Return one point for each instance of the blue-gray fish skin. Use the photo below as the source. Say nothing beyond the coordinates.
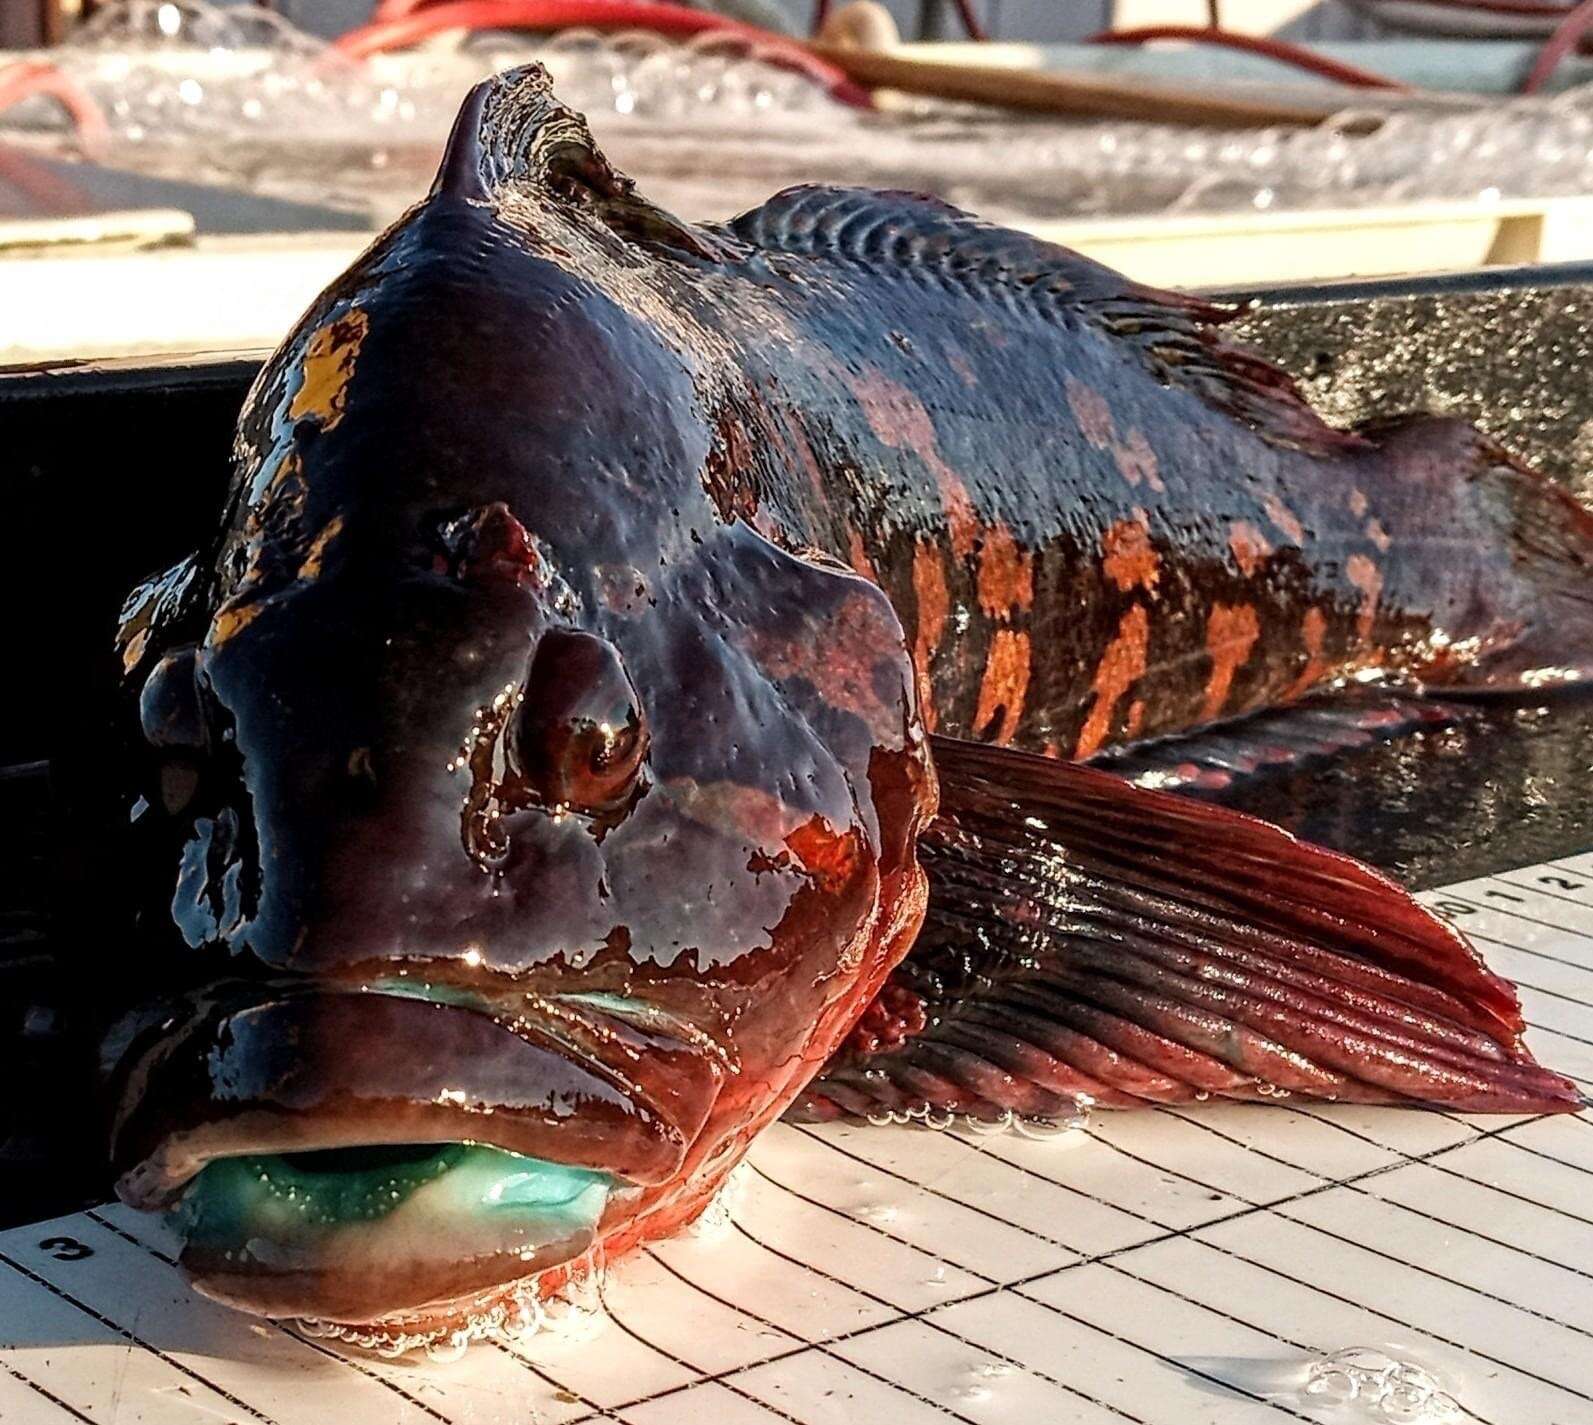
(561, 680)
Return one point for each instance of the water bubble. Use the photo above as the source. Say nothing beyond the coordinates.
(714, 1221)
(1371, 1385)
(567, 1301)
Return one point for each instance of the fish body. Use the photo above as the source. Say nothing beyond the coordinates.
(1100, 521)
(544, 743)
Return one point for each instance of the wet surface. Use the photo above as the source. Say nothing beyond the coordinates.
(91, 511)
(1500, 787)
(1513, 352)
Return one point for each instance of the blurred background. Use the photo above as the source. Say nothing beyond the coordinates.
(180, 175)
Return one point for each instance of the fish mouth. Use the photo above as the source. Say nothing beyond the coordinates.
(366, 1155)
(410, 1237)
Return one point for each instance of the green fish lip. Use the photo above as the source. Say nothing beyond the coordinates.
(362, 1234)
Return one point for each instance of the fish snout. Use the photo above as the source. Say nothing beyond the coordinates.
(355, 1153)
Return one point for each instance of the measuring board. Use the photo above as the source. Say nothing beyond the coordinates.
(1165, 1267)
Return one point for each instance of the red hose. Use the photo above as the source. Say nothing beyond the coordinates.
(1279, 50)
(664, 19)
(29, 77)
(1567, 36)
(970, 21)
(1531, 8)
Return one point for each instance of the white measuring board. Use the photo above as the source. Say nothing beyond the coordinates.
(1166, 1267)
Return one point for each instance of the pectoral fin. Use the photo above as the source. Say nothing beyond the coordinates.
(1090, 938)
(1217, 757)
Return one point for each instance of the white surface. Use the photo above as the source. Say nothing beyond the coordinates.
(242, 293)
(1165, 1267)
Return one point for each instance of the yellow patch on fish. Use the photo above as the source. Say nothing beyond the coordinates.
(327, 366)
(133, 654)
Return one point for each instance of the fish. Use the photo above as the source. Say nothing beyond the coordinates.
(648, 679)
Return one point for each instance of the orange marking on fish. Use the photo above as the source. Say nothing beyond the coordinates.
(960, 364)
(1135, 719)
(1092, 413)
(830, 857)
(1006, 574)
(231, 618)
(327, 367)
(857, 555)
(1002, 689)
(1130, 561)
(934, 604)
(133, 654)
(1313, 630)
(1368, 578)
(795, 440)
(1121, 666)
(839, 656)
(1231, 633)
(1357, 503)
(315, 556)
(1249, 545)
(926, 698)
(901, 421)
(1378, 535)
(1136, 461)
(1283, 517)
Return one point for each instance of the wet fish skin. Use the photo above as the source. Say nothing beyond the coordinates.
(474, 443)
(1101, 521)
(567, 654)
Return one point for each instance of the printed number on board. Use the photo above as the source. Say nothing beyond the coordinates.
(66, 1249)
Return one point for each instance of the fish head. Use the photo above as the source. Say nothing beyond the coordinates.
(542, 821)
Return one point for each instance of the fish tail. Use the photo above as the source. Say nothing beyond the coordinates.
(1501, 555)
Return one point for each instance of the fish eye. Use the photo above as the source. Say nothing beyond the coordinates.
(168, 706)
(579, 738)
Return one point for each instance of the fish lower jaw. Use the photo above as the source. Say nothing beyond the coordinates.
(394, 1248)
(565, 1299)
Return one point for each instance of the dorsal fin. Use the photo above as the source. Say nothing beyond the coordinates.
(513, 137)
(925, 239)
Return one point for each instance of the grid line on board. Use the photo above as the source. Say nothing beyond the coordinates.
(862, 1269)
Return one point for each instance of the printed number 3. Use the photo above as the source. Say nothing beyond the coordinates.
(66, 1249)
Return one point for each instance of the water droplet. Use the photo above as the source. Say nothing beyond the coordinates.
(1374, 1386)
